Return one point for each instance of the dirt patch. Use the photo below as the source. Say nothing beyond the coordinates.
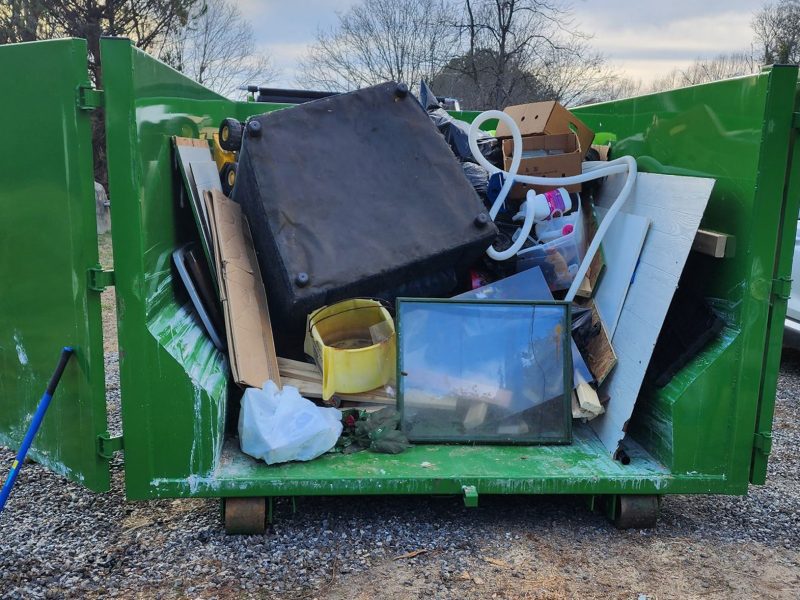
(556, 567)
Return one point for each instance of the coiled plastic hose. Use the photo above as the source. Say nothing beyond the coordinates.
(591, 170)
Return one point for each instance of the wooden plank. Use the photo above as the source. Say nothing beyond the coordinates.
(299, 367)
(191, 142)
(713, 243)
(307, 379)
(311, 389)
(675, 205)
(589, 283)
(600, 356)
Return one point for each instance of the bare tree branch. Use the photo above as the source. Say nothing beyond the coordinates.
(777, 32)
(380, 40)
(217, 49)
(723, 66)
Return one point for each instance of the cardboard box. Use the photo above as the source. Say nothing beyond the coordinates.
(539, 119)
(546, 118)
(565, 164)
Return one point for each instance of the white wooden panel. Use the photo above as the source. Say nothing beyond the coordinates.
(622, 245)
(650, 293)
(660, 251)
(675, 206)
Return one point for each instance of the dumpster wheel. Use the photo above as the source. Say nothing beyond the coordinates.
(245, 516)
(636, 511)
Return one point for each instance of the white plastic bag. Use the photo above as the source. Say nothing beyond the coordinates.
(279, 426)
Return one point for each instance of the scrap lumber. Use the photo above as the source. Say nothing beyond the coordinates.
(307, 378)
(713, 243)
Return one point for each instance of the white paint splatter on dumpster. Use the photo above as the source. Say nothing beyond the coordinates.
(21, 354)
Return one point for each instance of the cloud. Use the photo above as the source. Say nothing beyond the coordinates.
(286, 58)
(644, 39)
(648, 48)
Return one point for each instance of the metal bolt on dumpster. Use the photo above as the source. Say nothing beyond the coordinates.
(707, 431)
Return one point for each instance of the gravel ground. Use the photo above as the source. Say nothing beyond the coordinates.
(58, 540)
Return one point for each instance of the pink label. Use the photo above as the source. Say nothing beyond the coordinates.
(555, 201)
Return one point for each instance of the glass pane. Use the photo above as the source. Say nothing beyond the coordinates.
(484, 371)
(528, 285)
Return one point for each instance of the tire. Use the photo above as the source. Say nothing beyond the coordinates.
(230, 135)
(245, 516)
(636, 512)
(227, 176)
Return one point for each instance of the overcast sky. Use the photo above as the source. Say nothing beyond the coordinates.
(644, 38)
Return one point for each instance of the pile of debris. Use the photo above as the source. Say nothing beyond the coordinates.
(440, 281)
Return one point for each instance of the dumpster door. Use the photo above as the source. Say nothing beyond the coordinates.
(781, 284)
(48, 256)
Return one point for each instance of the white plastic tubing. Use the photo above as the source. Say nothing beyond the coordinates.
(591, 170)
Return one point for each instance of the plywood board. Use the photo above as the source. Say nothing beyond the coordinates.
(247, 322)
(187, 151)
(205, 178)
(675, 207)
(622, 246)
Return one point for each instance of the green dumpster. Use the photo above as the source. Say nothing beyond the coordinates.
(707, 431)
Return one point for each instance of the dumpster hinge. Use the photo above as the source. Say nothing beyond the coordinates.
(796, 120)
(763, 443)
(100, 279)
(781, 288)
(89, 98)
(107, 444)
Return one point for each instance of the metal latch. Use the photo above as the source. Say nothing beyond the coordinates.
(107, 444)
(100, 279)
(781, 288)
(89, 98)
(763, 443)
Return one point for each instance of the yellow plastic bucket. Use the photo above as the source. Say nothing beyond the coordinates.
(353, 343)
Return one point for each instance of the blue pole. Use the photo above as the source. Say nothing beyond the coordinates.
(44, 403)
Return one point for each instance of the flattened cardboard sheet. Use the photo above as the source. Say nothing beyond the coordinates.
(244, 300)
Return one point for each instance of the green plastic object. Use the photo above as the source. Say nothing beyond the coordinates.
(707, 431)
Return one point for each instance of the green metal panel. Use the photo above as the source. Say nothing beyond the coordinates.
(48, 243)
(739, 132)
(780, 293)
(694, 436)
(173, 381)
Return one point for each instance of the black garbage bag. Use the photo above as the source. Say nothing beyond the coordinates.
(479, 178)
(456, 131)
